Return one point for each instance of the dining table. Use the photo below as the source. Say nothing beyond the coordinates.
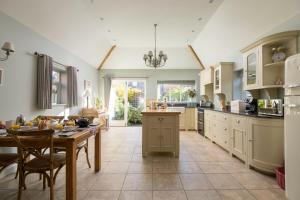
(70, 143)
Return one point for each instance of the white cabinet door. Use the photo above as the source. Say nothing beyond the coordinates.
(252, 67)
(167, 137)
(238, 143)
(265, 144)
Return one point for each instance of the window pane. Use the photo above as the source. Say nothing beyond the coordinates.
(174, 91)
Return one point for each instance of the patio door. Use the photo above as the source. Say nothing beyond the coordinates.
(127, 100)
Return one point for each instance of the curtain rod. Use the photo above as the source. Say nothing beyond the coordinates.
(38, 54)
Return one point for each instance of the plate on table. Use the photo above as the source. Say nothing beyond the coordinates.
(66, 134)
(69, 129)
(94, 124)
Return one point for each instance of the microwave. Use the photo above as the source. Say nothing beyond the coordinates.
(273, 107)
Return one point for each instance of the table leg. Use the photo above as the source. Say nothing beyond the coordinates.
(98, 151)
(71, 175)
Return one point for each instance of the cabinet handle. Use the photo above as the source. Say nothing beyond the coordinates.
(225, 118)
(250, 140)
(238, 121)
(225, 142)
(225, 129)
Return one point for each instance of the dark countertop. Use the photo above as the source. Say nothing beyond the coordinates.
(246, 114)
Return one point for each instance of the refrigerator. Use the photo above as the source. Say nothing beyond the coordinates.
(292, 127)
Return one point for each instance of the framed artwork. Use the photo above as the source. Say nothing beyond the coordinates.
(1, 76)
(87, 84)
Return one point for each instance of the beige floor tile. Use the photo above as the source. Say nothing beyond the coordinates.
(122, 157)
(235, 167)
(169, 195)
(269, 194)
(252, 181)
(116, 167)
(203, 195)
(109, 182)
(188, 167)
(211, 167)
(235, 195)
(164, 167)
(195, 182)
(140, 167)
(166, 182)
(224, 181)
(138, 182)
(136, 195)
(102, 195)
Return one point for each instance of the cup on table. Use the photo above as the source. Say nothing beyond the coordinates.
(9, 123)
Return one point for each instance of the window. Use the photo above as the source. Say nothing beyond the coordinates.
(58, 87)
(174, 91)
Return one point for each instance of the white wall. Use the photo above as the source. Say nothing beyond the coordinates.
(18, 93)
(237, 23)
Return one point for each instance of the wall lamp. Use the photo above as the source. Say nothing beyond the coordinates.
(8, 48)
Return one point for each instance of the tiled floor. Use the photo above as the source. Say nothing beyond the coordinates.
(203, 171)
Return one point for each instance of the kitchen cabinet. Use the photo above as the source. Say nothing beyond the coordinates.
(239, 137)
(252, 67)
(256, 141)
(223, 76)
(191, 115)
(206, 83)
(160, 132)
(182, 121)
(261, 70)
(265, 144)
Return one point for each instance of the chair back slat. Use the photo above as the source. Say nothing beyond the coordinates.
(33, 143)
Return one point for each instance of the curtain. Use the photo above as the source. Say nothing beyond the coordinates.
(44, 82)
(107, 87)
(72, 90)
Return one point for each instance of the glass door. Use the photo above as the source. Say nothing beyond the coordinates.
(127, 101)
(251, 68)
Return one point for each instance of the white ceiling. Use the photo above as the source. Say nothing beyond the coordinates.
(238, 23)
(76, 26)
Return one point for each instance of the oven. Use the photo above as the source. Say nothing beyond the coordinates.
(200, 123)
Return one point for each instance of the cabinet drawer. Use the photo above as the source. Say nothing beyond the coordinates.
(239, 123)
(163, 119)
(222, 117)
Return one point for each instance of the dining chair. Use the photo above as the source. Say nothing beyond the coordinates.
(32, 160)
(83, 145)
(7, 159)
(49, 117)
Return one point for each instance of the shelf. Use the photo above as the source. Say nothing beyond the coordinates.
(277, 64)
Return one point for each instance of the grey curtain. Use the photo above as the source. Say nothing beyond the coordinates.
(72, 88)
(44, 82)
(107, 87)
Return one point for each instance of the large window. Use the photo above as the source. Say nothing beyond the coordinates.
(58, 87)
(174, 91)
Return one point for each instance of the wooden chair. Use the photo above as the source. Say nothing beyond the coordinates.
(83, 145)
(7, 159)
(30, 144)
(49, 117)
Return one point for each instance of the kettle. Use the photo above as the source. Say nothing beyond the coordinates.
(83, 123)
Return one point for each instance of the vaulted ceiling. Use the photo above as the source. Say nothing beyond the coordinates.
(88, 28)
(216, 29)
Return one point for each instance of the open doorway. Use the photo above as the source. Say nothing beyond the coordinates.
(127, 101)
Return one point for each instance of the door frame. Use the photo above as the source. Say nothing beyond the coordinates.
(126, 104)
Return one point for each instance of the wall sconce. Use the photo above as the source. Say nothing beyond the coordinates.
(8, 48)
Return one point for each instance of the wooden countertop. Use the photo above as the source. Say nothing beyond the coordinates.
(160, 112)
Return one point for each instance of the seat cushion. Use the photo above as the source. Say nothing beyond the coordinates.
(8, 158)
(39, 164)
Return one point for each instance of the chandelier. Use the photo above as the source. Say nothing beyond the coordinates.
(151, 60)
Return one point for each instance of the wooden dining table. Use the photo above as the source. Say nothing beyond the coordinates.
(70, 143)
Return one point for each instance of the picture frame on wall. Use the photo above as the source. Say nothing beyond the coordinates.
(87, 84)
(1, 76)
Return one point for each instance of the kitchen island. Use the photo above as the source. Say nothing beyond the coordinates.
(160, 131)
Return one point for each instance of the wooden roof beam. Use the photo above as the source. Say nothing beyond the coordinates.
(107, 56)
(196, 57)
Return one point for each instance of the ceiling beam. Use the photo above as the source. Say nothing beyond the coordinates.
(107, 56)
(196, 57)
